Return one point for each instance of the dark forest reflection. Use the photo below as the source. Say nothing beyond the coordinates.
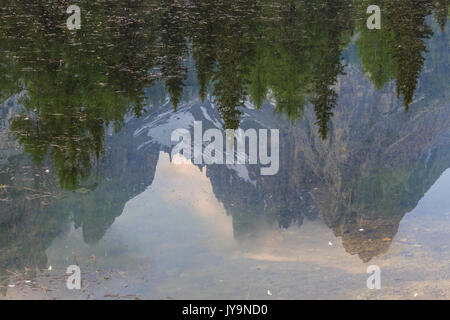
(79, 83)
(75, 89)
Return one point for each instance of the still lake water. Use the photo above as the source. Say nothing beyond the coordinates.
(86, 176)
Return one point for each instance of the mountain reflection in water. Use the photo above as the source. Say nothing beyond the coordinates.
(86, 116)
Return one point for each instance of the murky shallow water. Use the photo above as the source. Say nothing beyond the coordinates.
(175, 242)
(87, 179)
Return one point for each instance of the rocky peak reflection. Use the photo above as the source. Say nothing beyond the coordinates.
(66, 91)
(76, 84)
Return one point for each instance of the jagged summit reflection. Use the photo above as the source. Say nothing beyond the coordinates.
(373, 168)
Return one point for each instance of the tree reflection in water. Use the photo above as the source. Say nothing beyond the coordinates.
(74, 88)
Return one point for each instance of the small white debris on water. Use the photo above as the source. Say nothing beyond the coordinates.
(269, 293)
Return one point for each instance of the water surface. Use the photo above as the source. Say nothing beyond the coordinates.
(86, 174)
